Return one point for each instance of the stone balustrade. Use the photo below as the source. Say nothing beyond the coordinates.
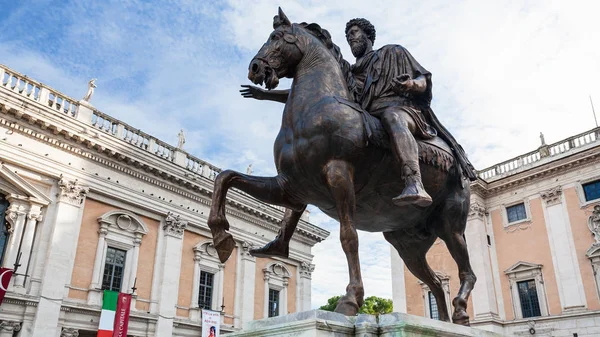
(64, 105)
(536, 157)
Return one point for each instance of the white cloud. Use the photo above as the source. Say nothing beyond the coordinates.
(502, 70)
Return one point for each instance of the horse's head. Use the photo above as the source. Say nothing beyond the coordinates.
(279, 56)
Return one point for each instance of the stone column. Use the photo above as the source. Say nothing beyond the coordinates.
(60, 255)
(69, 332)
(33, 217)
(173, 229)
(304, 286)
(562, 246)
(398, 281)
(16, 217)
(8, 328)
(483, 295)
(244, 294)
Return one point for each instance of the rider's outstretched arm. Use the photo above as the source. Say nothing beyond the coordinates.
(250, 91)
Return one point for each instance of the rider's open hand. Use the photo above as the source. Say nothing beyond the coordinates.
(403, 84)
(250, 91)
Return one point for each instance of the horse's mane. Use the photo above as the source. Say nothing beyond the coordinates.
(325, 37)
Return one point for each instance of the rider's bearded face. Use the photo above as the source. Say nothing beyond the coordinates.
(358, 41)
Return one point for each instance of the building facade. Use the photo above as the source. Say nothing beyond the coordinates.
(90, 203)
(533, 234)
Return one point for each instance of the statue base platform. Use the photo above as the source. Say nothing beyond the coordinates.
(319, 323)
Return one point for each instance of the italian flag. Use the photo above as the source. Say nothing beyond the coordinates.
(107, 317)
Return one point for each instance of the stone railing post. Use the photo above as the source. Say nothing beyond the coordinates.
(44, 95)
(84, 112)
(179, 157)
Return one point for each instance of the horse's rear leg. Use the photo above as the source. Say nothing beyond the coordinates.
(340, 181)
(280, 246)
(413, 252)
(266, 189)
(453, 220)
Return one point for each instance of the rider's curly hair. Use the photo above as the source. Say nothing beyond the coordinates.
(363, 24)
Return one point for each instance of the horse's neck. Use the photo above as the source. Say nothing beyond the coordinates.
(319, 71)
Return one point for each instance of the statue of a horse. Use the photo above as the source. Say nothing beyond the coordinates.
(323, 157)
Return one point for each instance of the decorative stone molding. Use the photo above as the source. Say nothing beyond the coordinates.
(552, 196)
(476, 210)
(594, 223)
(10, 326)
(174, 225)
(524, 271)
(245, 252)
(72, 191)
(69, 332)
(306, 269)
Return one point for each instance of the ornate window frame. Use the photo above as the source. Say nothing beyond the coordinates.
(206, 259)
(526, 202)
(524, 271)
(425, 293)
(276, 277)
(119, 229)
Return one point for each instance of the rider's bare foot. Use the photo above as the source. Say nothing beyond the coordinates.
(413, 194)
(274, 248)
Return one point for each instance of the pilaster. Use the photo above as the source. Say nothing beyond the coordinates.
(398, 281)
(562, 246)
(483, 295)
(34, 216)
(59, 259)
(244, 301)
(173, 230)
(304, 286)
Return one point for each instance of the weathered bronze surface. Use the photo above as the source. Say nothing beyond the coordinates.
(361, 168)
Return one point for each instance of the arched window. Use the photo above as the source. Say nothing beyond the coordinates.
(4, 226)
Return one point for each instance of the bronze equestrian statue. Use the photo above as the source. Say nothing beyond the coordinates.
(330, 152)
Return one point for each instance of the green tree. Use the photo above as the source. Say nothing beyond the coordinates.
(373, 305)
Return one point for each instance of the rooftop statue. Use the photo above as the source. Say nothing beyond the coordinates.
(361, 143)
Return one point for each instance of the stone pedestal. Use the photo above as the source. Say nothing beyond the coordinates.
(318, 323)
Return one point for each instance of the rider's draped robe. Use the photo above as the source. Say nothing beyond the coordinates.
(370, 82)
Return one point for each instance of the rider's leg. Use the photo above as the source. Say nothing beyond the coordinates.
(401, 128)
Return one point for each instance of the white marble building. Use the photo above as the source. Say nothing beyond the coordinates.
(91, 203)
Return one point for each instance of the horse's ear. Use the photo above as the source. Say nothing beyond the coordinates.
(283, 18)
(315, 28)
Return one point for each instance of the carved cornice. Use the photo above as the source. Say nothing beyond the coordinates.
(69, 332)
(10, 326)
(174, 225)
(552, 196)
(81, 146)
(71, 191)
(476, 210)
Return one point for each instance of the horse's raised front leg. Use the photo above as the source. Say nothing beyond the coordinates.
(340, 182)
(266, 189)
(281, 245)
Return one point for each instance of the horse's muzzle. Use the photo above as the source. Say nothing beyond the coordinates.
(260, 72)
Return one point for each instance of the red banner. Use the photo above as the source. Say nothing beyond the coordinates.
(122, 315)
(5, 276)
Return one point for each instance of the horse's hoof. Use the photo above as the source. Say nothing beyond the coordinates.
(224, 245)
(347, 307)
(461, 318)
(273, 248)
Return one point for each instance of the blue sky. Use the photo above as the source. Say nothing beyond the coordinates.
(503, 71)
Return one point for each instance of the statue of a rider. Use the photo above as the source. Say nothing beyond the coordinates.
(392, 86)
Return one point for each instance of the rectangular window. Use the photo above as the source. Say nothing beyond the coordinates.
(273, 303)
(113, 269)
(206, 290)
(530, 306)
(433, 308)
(516, 212)
(592, 190)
